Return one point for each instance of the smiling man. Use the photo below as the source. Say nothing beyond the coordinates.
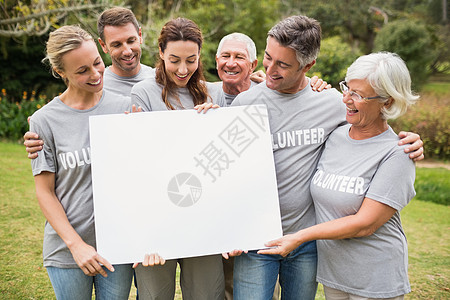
(307, 117)
(235, 62)
(291, 50)
(121, 37)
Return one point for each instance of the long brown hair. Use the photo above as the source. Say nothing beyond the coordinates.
(181, 29)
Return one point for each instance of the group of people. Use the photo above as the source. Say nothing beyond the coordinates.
(344, 189)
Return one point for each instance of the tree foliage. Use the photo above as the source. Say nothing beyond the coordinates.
(22, 70)
(334, 58)
(24, 28)
(350, 28)
(37, 17)
(362, 23)
(355, 21)
(216, 18)
(411, 40)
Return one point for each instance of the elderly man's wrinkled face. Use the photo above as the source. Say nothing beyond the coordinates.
(233, 63)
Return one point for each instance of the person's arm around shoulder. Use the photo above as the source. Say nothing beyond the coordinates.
(32, 144)
(318, 84)
(258, 76)
(371, 216)
(415, 148)
(84, 255)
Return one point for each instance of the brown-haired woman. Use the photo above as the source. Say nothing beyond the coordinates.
(179, 84)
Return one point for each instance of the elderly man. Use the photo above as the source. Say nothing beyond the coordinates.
(294, 110)
(236, 61)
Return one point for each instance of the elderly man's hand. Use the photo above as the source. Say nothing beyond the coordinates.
(258, 76)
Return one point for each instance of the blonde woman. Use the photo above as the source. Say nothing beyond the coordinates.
(62, 172)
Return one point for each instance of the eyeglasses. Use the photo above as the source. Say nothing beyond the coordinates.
(355, 96)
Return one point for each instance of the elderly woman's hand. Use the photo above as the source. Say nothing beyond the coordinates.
(282, 246)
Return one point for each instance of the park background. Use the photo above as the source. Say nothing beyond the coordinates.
(418, 30)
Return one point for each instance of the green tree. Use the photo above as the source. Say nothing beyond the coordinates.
(334, 58)
(215, 18)
(412, 41)
(355, 21)
(442, 62)
(24, 28)
(37, 17)
(22, 70)
(358, 21)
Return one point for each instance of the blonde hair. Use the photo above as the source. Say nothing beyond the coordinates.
(62, 41)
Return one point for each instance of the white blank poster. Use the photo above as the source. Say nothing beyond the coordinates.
(183, 184)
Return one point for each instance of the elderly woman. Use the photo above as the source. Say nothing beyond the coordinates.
(361, 183)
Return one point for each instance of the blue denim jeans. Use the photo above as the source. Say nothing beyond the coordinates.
(73, 284)
(255, 275)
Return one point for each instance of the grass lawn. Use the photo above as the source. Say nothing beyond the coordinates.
(439, 84)
(22, 275)
(437, 87)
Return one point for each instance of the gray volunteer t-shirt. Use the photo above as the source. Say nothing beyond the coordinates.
(299, 123)
(122, 85)
(349, 170)
(217, 92)
(66, 153)
(147, 94)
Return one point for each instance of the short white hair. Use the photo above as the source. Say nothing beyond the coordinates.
(237, 36)
(389, 77)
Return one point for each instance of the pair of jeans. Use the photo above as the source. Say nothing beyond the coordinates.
(255, 275)
(73, 284)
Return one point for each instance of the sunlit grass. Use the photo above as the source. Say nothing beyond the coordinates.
(22, 224)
